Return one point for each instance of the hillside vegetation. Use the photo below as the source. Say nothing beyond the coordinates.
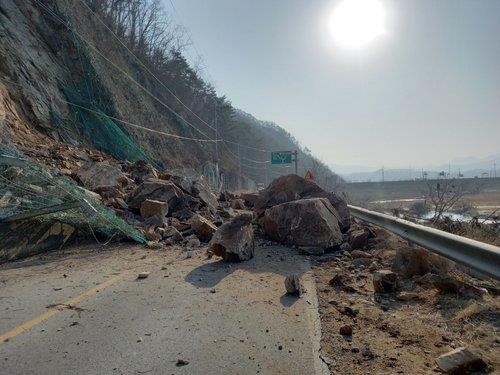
(111, 74)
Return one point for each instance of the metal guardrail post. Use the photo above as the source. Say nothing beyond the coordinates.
(478, 255)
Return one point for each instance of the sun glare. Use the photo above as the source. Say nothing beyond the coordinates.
(355, 23)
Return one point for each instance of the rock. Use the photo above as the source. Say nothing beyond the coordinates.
(362, 262)
(407, 296)
(182, 362)
(154, 189)
(249, 198)
(311, 250)
(233, 241)
(182, 182)
(184, 214)
(293, 284)
(292, 187)
(358, 238)
(384, 281)
(446, 284)
(360, 254)
(151, 207)
(305, 222)
(173, 233)
(227, 213)
(201, 190)
(152, 235)
(346, 330)
(179, 225)
(345, 247)
(238, 204)
(203, 228)
(143, 275)
(154, 221)
(417, 261)
(460, 361)
(94, 175)
(193, 241)
(141, 171)
(337, 280)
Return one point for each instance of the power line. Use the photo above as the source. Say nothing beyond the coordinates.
(121, 70)
(139, 126)
(144, 66)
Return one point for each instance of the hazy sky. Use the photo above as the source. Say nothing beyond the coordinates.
(425, 92)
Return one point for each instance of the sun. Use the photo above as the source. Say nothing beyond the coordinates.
(356, 23)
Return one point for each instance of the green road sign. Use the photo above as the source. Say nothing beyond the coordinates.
(281, 157)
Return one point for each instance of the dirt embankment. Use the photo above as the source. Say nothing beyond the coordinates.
(434, 309)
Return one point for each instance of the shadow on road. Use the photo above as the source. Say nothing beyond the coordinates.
(274, 259)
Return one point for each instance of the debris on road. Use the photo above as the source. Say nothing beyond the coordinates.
(143, 275)
(306, 222)
(293, 285)
(233, 241)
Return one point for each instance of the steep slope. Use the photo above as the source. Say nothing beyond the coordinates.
(66, 75)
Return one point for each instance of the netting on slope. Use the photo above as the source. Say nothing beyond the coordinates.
(26, 188)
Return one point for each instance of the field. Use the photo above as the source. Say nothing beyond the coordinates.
(401, 194)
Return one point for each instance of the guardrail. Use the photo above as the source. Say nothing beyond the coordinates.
(478, 255)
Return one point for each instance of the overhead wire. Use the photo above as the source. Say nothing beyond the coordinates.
(120, 69)
(139, 126)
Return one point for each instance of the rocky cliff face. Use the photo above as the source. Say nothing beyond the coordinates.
(64, 80)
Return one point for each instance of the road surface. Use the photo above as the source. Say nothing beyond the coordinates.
(85, 312)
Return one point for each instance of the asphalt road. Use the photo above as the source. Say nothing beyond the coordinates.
(85, 312)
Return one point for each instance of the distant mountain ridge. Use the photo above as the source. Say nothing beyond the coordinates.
(469, 167)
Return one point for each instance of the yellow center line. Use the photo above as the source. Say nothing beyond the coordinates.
(54, 310)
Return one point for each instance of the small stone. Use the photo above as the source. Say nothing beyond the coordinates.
(346, 330)
(360, 254)
(350, 311)
(212, 291)
(280, 347)
(139, 339)
(384, 281)
(181, 362)
(143, 275)
(293, 284)
(337, 280)
(406, 296)
(460, 361)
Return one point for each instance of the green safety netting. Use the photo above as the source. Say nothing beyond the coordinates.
(26, 187)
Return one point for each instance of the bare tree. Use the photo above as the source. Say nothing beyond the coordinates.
(444, 194)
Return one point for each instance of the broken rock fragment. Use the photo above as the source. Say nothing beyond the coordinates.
(233, 241)
(293, 284)
(203, 228)
(460, 361)
(385, 281)
(152, 207)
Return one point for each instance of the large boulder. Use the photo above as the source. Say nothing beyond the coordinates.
(156, 189)
(203, 228)
(98, 175)
(151, 207)
(305, 222)
(233, 241)
(292, 187)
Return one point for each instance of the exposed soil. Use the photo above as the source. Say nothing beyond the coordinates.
(401, 337)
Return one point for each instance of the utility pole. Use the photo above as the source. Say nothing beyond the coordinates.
(295, 159)
(239, 168)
